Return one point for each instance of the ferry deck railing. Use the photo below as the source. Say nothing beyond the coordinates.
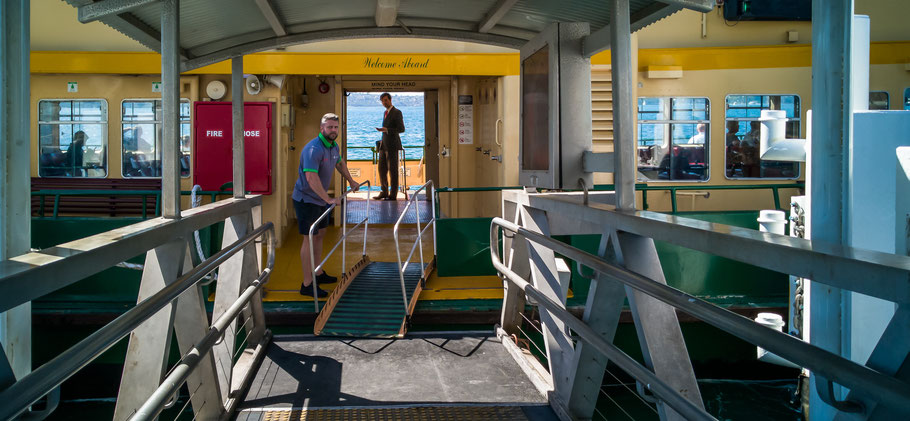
(645, 188)
(341, 241)
(418, 243)
(168, 302)
(402, 159)
(885, 277)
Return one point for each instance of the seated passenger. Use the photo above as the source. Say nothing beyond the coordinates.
(74, 154)
(698, 138)
(750, 145)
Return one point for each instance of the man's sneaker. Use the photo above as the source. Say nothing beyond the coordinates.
(325, 278)
(308, 291)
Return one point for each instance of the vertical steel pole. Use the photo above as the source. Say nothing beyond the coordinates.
(832, 128)
(15, 324)
(170, 107)
(624, 165)
(237, 89)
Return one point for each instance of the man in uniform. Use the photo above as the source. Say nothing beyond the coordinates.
(319, 158)
(392, 125)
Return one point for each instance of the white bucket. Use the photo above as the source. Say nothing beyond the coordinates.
(772, 221)
(772, 320)
(776, 322)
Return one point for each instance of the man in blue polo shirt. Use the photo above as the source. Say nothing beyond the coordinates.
(317, 161)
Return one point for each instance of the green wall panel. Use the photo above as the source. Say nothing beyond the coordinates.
(463, 247)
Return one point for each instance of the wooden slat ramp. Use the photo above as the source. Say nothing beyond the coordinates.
(368, 303)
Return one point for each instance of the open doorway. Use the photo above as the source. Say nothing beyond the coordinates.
(363, 114)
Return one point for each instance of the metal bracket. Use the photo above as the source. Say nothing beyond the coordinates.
(597, 162)
(825, 389)
(644, 392)
(584, 188)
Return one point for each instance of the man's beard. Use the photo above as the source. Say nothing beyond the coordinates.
(330, 136)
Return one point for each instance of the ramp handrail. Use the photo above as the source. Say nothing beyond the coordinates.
(341, 241)
(19, 396)
(828, 365)
(419, 241)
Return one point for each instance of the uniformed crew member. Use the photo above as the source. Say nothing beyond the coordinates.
(319, 158)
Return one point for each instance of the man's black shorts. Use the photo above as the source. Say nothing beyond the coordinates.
(307, 213)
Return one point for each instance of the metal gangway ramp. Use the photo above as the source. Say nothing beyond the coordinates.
(375, 299)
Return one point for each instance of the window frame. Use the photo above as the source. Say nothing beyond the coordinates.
(669, 123)
(105, 136)
(154, 123)
(799, 167)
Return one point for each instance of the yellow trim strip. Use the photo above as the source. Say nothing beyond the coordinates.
(286, 63)
(714, 58)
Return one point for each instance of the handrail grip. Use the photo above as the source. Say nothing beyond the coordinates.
(413, 199)
(180, 373)
(414, 247)
(666, 393)
(342, 240)
(894, 392)
(33, 386)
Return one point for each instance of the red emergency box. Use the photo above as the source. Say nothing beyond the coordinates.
(212, 149)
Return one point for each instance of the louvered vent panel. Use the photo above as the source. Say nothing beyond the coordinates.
(602, 105)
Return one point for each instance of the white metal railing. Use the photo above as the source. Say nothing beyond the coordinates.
(418, 243)
(20, 395)
(341, 241)
(170, 386)
(830, 367)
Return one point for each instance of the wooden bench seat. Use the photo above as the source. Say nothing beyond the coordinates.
(96, 204)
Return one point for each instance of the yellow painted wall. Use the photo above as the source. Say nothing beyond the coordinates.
(112, 89)
(684, 29)
(470, 165)
(510, 99)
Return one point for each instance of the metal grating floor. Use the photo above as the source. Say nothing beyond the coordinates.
(387, 211)
(372, 306)
(431, 413)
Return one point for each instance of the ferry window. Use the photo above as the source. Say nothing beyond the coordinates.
(72, 138)
(907, 99)
(879, 100)
(742, 159)
(142, 138)
(673, 138)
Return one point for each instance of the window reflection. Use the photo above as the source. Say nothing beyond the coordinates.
(72, 138)
(142, 139)
(742, 157)
(673, 138)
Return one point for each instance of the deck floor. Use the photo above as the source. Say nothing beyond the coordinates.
(388, 211)
(441, 372)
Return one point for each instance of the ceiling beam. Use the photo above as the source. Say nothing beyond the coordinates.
(97, 10)
(703, 6)
(495, 14)
(600, 39)
(387, 13)
(358, 33)
(131, 26)
(265, 6)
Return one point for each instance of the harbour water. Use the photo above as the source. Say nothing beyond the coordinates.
(363, 121)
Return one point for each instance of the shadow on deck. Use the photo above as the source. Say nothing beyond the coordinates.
(461, 376)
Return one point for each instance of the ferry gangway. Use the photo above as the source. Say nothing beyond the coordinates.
(364, 304)
(215, 364)
(577, 350)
